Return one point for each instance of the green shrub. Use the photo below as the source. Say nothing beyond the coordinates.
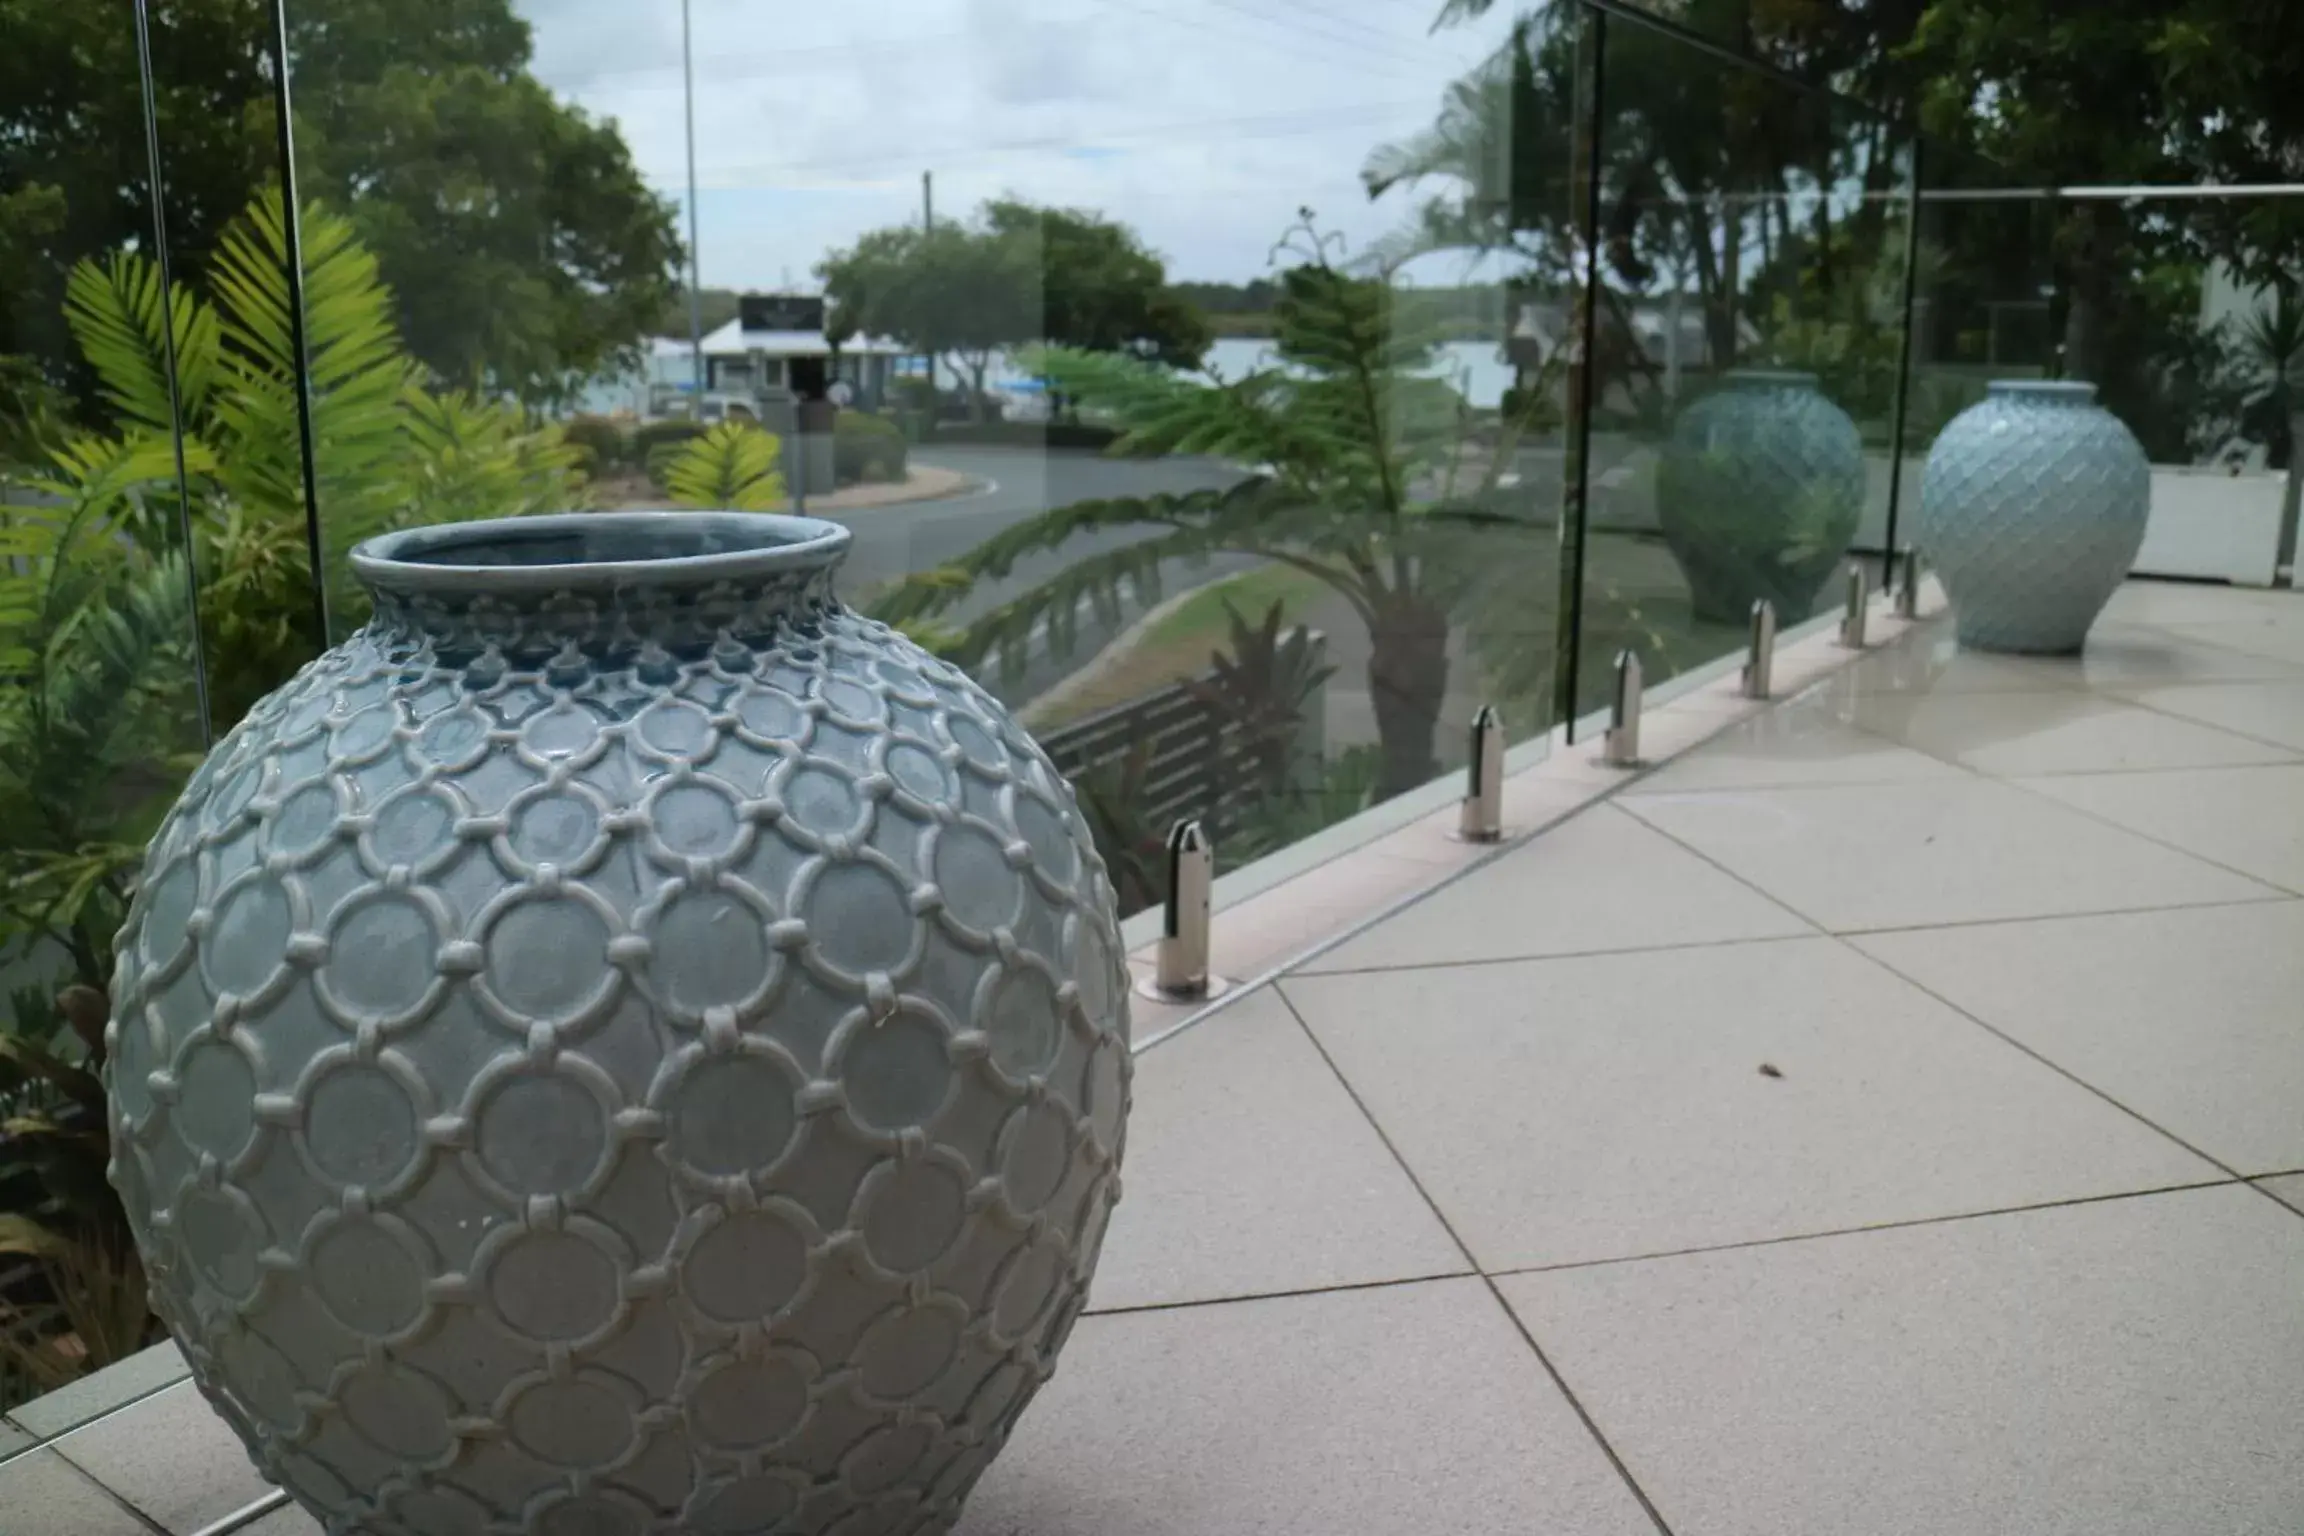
(866, 447)
(605, 444)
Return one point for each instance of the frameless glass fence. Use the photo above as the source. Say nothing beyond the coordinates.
(1244, 418)
(2183, 307)
(106, 510)
(1744, 353)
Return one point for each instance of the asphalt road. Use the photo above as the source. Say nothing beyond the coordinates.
(1016, 485)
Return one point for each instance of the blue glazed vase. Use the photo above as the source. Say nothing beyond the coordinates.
(2032, 509)
(622, 1045)
(1759, 490)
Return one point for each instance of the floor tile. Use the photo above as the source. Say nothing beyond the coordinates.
(1564, 1111)
(2187, 1017)
(2123, 656)
(144, 1372)
(172, 1458)
(1796, 743)
(2289, 1187)
(42, 1494)
(1413, 1408)
(1250, 1171)
(2186, 602)
(2124, 1368)
(2248, 819)
(2272, 631)
(2053, 731)
(1853, 857)
(2267, 711)
(1598, 881)
(1931, 661)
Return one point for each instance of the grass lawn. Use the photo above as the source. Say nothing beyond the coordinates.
(1178, 644)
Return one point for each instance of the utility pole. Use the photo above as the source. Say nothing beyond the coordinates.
(928, 227)
(695, 256)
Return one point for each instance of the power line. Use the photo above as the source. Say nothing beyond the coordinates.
(1283, 124)
(1360, 56)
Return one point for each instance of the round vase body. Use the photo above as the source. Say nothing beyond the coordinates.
(1758, 492)
(621, 1045)
(2032, 509)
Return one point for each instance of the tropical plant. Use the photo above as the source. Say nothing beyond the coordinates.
(737, 465)
(386, 451)
(1262, 689)
(101, 716)
(1370, 477)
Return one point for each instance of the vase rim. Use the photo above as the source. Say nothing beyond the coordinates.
(1791, 378)
(597, 551)
(2048, 389)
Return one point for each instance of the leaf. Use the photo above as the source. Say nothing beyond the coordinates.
(736, 465)
(114, 309)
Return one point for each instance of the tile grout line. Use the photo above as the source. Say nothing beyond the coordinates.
(2253, 1180)
(110, 1493)
(1559, 1381)
(1478, 961)
(1285, 1293)
(1828, 1233)
(51, 1442)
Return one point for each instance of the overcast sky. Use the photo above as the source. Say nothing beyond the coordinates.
(1202, 123)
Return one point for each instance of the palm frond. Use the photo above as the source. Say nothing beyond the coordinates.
(353, 365)
(736, 465)
(115, 309)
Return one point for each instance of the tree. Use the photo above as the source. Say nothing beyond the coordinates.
(524, 250)
(953, 292)
(1371, 481)
(1100, 289)
(1014, 274)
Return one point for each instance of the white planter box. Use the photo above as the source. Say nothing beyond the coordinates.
(2208, 523)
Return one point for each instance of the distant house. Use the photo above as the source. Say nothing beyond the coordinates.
(776, 348)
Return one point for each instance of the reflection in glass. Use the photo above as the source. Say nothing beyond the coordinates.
(1748, 342)
(100, 704)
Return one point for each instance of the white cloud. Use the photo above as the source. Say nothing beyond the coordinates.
(1203, 123)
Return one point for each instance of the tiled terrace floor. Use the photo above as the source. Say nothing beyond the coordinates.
(1886, 1118)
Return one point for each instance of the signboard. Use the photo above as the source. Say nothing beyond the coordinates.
(780, 312)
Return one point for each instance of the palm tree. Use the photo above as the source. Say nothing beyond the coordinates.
(1369, 476)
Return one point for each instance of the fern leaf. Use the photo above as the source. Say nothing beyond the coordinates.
(736, 465)
(114, 309)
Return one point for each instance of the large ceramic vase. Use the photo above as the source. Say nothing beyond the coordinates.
(1759, 490)
(2032, 509)
(621, 1045)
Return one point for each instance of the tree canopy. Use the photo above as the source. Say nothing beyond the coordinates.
(1014, 274)
(524, 250)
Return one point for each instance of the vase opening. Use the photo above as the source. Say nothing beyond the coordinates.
(581, 551)
(2044, 391)
(604, 582)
